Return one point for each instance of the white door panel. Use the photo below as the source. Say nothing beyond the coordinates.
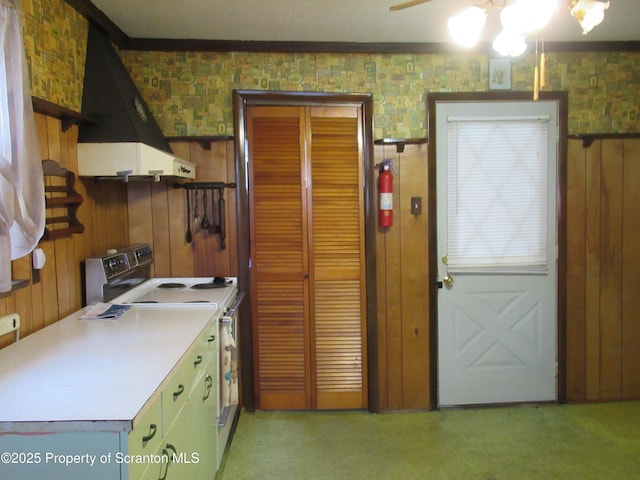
(496, 331)
(493, 342)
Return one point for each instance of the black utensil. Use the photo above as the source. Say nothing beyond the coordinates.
(196, 213)
(221, 216)
(189, 235)
(205, 219)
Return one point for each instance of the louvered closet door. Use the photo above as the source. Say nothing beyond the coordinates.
(337, 257)
(308, 277)
(278, 244)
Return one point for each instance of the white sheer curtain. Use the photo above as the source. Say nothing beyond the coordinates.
(22, 210)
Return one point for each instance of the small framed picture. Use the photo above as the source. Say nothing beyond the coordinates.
(499, 74)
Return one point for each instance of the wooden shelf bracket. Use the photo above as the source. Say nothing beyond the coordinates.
(62, 199)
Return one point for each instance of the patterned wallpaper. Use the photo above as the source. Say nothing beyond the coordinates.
(55, 38)
(190, 93)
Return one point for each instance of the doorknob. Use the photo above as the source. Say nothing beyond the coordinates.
(448, 281)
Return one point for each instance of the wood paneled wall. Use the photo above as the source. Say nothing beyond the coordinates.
(603, 274)
(103, 213)
(603, 277)
(402, 276)
(158, 215)
(116, 214)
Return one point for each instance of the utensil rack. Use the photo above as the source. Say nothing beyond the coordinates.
(220, 226)
(204, 185)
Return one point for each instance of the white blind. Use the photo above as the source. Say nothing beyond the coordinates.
(497, 194)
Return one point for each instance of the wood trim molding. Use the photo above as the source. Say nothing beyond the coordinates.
(353, 47)
(241, 100)
(67, 117)
(94, 14)
(563, 108)
(589, 138)
(204, 140)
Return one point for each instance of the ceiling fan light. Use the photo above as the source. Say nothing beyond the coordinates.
(509, 44)
(588, 13)
(527, 16)
(466, 27)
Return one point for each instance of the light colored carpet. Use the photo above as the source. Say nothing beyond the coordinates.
(581, 442)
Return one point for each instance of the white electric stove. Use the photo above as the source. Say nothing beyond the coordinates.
(122, 276)
(204, 291)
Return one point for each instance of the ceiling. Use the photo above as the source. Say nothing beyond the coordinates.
(352, 21)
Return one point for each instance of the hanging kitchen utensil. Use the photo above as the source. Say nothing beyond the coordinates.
(196, 211)
(205, 219)
(189, 235)
(219, 226)
(215, 213)
(221, 218)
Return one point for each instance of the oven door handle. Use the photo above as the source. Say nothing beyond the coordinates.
(231, 311)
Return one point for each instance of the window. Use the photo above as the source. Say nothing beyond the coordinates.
(497, 168)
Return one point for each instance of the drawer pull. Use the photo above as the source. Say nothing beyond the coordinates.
(178, 392)
(152, 433)
(231, 311)
(208, 381)
(198, 360)
(165, 453)
(212, 338)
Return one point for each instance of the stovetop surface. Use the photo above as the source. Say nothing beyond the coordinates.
(196, 291)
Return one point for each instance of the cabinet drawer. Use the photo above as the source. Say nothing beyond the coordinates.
(188, 374)
(145, 438)
(208, 342)
(205, 350)
(175, 393)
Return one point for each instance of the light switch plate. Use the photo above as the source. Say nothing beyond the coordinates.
(416, 205)
(9, 323)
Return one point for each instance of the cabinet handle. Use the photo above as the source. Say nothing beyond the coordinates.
(198, 360)
(178, 392)
(208, 385)
(231, 311)
(166, 454)
(212, 338)
(152, 433)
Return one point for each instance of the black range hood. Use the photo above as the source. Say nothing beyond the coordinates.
(126, 141)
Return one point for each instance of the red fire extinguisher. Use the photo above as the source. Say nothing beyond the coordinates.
(385, 184)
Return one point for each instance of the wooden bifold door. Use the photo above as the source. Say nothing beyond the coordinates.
(308, 278)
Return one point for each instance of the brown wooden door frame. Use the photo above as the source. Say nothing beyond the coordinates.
(562, 99)
(241, 100)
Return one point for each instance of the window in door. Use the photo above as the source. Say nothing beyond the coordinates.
(497, 171)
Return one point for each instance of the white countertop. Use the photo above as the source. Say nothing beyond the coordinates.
(93, 375)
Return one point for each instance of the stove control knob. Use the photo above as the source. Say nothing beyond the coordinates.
(114, 264)
(144, 255)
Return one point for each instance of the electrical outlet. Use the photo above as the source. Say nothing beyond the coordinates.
(9, 323)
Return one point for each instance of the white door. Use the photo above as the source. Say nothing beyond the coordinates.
(497, 251)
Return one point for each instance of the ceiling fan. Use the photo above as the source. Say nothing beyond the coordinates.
(410, 3)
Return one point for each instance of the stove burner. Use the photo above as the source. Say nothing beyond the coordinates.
(172, 285)
(208, 285)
